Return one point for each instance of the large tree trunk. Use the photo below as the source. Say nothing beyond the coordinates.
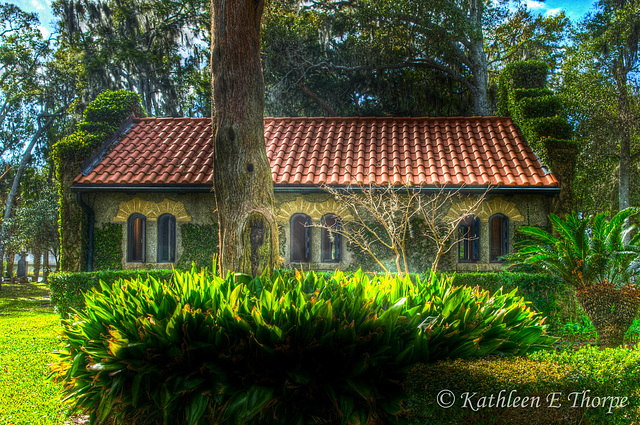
(625, 141)
(610, 309)
(241, 173)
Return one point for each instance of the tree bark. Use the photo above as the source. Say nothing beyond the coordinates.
(625, 141)
(37, 258)
(242, 179)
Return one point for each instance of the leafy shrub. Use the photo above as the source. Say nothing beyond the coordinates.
(613, 372)
(527, 74)
(555, 127)
(548, 294)
(68, 289)
(289, 348)
(471, 379)
(541, 106)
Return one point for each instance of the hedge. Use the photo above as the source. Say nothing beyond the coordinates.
(67, 289)
(547, 294)
(562, 388)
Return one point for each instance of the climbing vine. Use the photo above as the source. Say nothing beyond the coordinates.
(101, 119)
(199, 245)
(539, 113)
(108, 247)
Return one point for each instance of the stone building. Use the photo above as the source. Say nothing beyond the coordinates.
(150, 189)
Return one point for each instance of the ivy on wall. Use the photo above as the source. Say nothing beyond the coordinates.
(539, 113)
(420, 252)
(108, 247)
(199, 245)
(101, 119)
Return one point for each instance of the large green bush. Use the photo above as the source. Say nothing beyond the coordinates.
(68, 289)
(548, 294)
(286, 348)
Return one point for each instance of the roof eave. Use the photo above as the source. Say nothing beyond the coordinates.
(547, 190)
(85, 188)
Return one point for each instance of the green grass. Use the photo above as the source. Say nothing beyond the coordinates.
(27, 336)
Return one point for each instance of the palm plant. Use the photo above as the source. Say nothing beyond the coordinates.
(600, 258)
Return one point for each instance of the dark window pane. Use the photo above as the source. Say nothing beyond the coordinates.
(468, 246)
(330, 241)
(136, 238)
(300, 238)
(166, 238)
(498, 225)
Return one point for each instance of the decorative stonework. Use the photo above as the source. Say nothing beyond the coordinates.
(174, 208)
(315, 210)
(151, 210)
(487, 209)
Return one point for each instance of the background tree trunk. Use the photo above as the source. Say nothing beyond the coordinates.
(37, 258)
(241, 173)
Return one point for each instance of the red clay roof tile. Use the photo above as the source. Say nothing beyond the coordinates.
(338, 151)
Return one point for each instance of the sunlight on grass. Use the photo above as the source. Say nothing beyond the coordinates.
(27, 336)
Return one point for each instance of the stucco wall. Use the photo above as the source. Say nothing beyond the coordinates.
(198, 208)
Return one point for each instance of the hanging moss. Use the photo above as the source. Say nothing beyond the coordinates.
(199, 245)
(108, 247)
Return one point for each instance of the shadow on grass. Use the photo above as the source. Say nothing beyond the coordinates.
(22, 297)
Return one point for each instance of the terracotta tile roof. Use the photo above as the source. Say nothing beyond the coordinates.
(338, 151)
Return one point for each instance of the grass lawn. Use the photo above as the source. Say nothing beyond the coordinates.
(27, 336)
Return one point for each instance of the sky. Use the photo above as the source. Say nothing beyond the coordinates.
(574, 9)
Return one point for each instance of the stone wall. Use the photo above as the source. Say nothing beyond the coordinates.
(198, 208)
(116, 207)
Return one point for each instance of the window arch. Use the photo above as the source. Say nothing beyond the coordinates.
(331, 245)
(300, 238)
(498, 236)
(166, 238)
(136, 238)
(469, 245)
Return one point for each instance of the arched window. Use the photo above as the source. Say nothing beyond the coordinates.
(469, 246)
(498, 236)
(300, 238)
(166, 238)
(331, 241)
(136, 237)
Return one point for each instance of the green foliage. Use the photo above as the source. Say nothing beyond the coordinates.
(549, 127)
(539, 113)
(518, 94)
(540, 106)
(68, 289)
(584, 251)
(527, 74)
(108, 111)
(289, 348)
(608, 372)
(569, 375)
(146, 46)
(102, 118)
(597, 256)
(199, 245)
(104, 115)
(108, 247)
(548, 295)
